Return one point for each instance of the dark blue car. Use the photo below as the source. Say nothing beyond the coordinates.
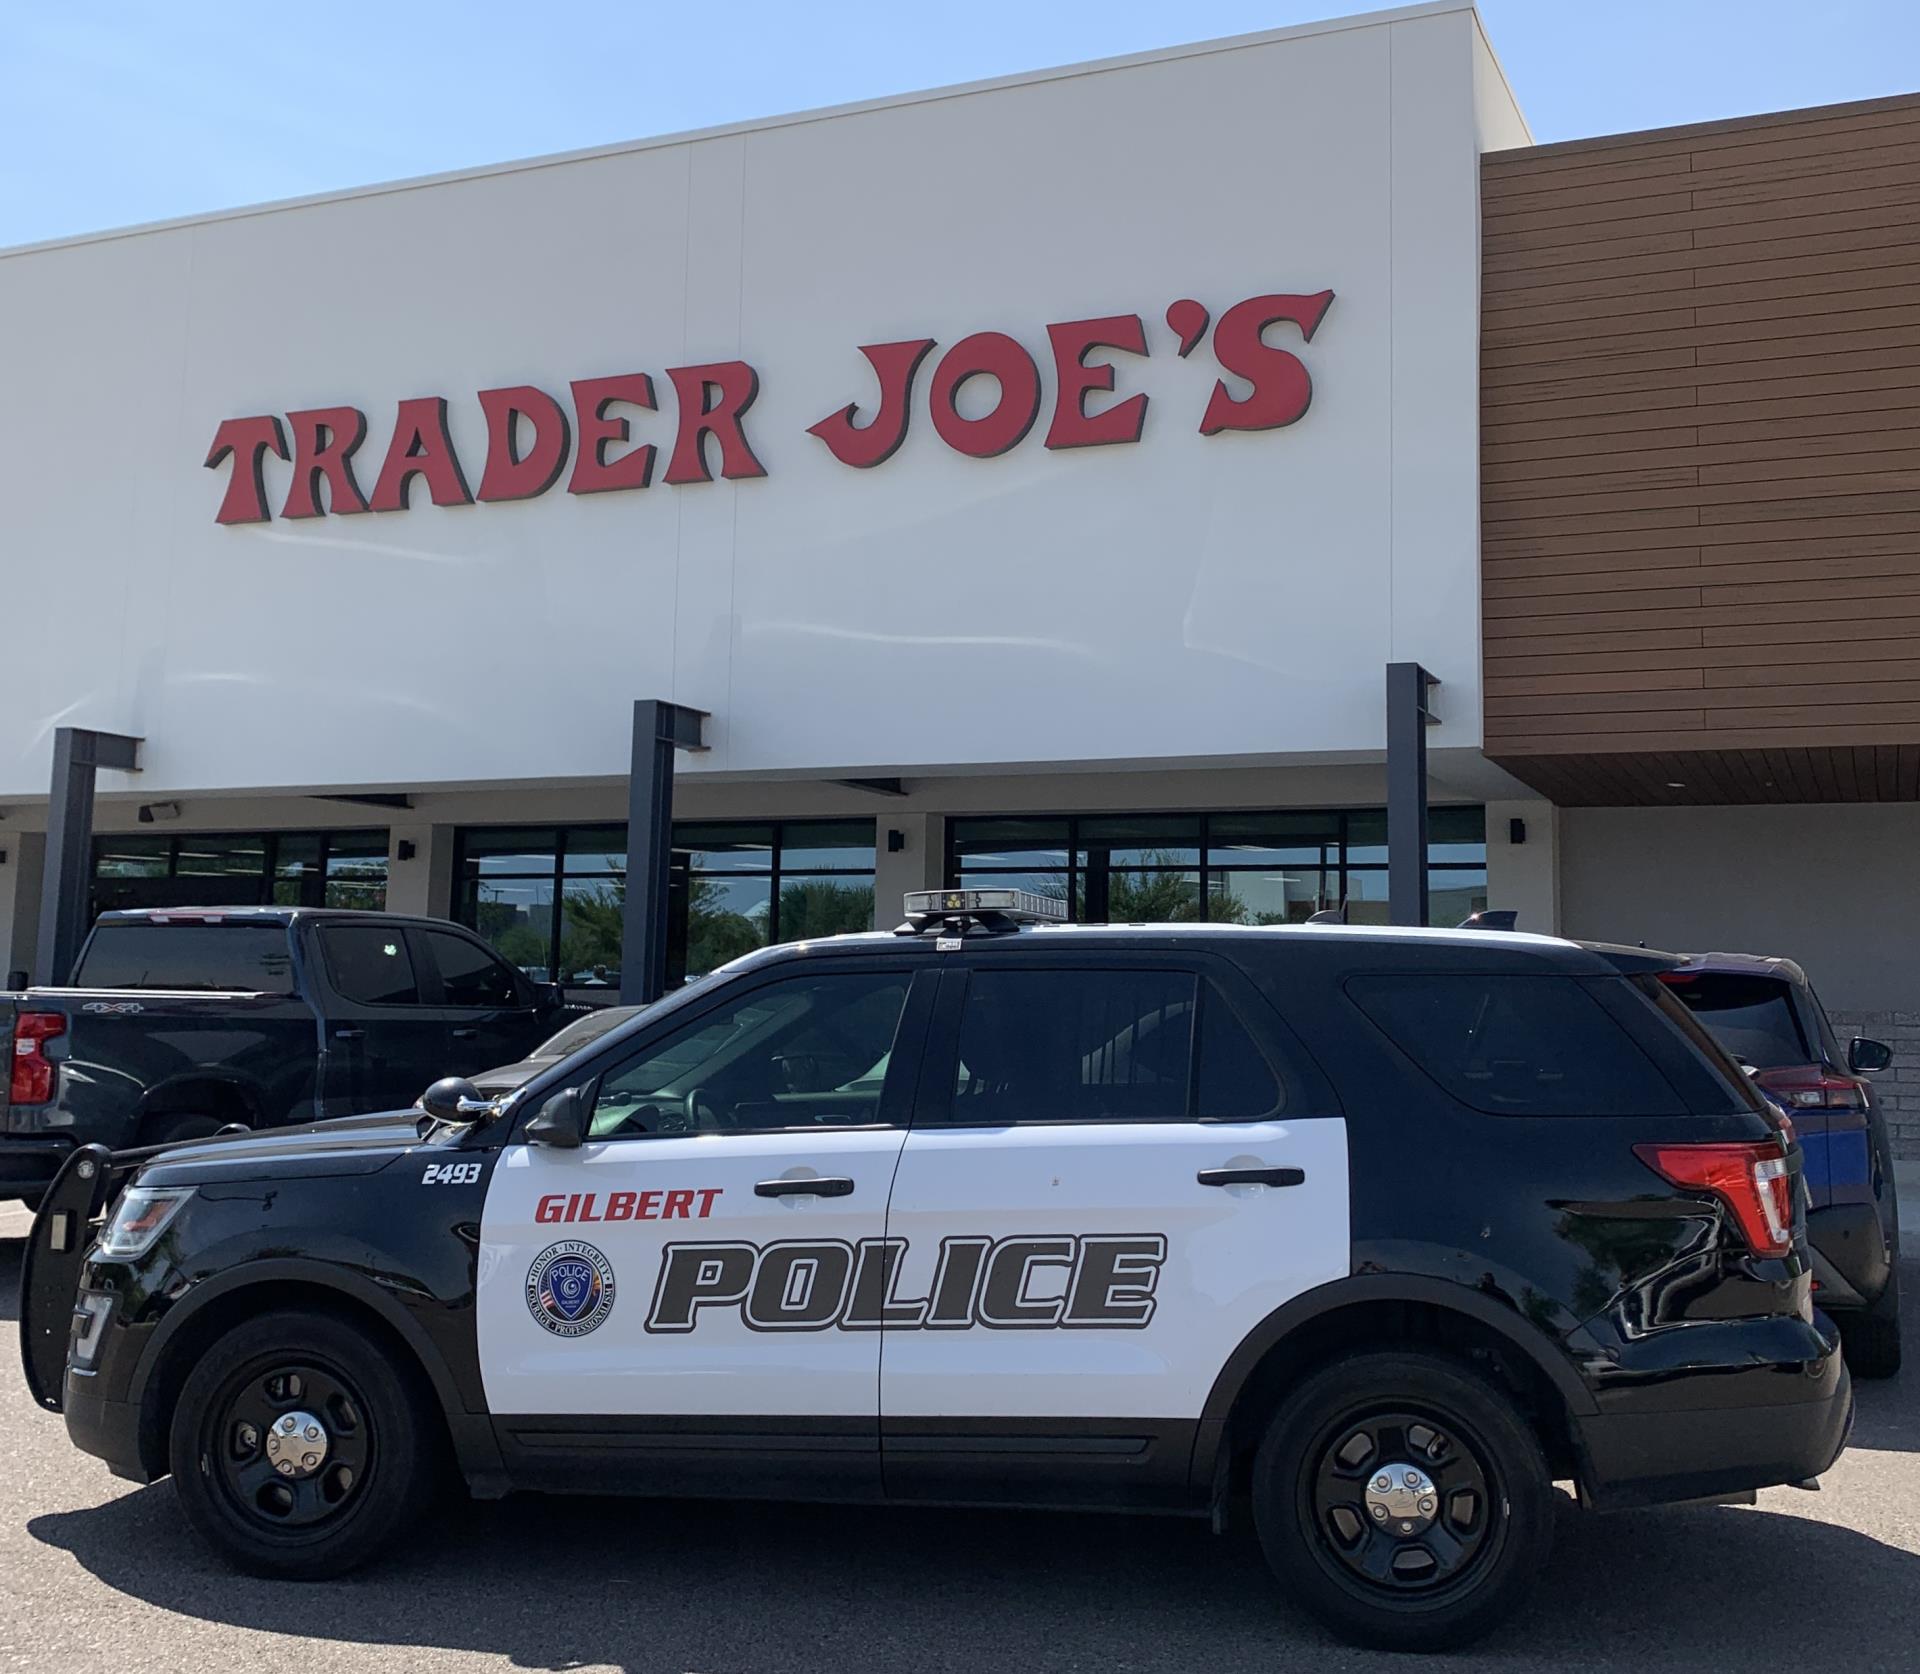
(1766, 1014)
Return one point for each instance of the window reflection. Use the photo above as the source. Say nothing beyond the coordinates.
(242, 869)
(1241, 868)
(552, 899)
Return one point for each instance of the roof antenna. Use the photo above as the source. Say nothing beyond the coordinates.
(1330, 915)
(1499, 918)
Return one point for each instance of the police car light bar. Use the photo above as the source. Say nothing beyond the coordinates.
(1018, 904)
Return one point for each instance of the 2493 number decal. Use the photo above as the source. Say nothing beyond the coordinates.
(451, 1174)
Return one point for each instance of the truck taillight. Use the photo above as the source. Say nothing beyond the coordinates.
(33, 1071)
(1813, 1089)
(1750, 1179)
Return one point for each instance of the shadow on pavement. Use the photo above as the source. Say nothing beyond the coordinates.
(661, 1587)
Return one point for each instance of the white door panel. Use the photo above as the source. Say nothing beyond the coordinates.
(721, 1301)
(1108, 1330)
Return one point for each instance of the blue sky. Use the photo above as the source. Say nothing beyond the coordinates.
(134, 110)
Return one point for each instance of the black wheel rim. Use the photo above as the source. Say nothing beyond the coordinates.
(260, 1462)
(1404, 1506)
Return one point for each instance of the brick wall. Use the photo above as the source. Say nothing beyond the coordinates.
(1898, 1088)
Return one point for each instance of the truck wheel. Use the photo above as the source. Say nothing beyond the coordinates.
(177, 1130)
(1403, 1500)
(1871, 1337)
(298, 1448)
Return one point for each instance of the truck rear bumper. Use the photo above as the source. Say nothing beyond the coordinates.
(1849, 1250)
(27, 1166)
(1772, 1425)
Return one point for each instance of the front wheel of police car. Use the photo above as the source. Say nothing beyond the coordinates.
(1403, 1500)
(298, 1448)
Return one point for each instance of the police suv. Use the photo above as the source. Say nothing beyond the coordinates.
(1379, 1233)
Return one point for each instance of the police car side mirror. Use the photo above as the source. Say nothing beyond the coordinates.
(561, 1122)
(451, 1099)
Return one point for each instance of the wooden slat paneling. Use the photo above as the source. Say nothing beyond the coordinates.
(1700, 460)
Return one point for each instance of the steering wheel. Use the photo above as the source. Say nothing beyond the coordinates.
(703, 1115)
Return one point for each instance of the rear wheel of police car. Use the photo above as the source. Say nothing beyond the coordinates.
(298, 1448)
(1404, 1500)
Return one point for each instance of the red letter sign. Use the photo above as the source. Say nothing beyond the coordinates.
(875, 442)
(508, 476)
(421, 447)
(1282, 388)
(995, 355)
(248, 440)
(324, 440)
(732, 384)
(1073, 426)
(593, 473)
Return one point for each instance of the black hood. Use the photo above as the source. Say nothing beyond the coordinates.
(345, 1145)
(510, 1078)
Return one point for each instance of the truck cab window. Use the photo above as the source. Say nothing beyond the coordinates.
(369, 964)
(251, 958)
(469, 974)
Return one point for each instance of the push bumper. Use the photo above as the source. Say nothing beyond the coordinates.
(1710, 1433)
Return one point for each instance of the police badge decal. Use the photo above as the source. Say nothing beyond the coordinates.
(570, 1288)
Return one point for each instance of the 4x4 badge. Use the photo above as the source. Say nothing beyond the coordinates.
(570, 1288)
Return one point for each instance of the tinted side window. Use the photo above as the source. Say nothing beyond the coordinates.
(369, 964)
(1516, 1045)
(255, 958)
(1236, 1082)
(1075, 1046)
(811, 1051)
(469, 974)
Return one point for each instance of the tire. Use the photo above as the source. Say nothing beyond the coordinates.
(178, 1130)
(1871, 1336)
(376, 1429)
(1489, 1515)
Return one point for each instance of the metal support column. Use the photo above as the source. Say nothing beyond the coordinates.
(659, 728)
(67, 884)
(1408, 717)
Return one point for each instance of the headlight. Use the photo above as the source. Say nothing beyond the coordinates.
(139, 1218)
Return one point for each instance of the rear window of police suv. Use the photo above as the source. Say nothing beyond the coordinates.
(1516, 1045)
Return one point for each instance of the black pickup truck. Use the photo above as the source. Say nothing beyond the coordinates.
(183, 1021)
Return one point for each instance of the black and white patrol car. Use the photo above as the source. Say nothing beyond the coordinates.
(1379, 1232)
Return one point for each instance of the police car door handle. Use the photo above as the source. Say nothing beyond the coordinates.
(349, 1034)
(1252, 1176)
(830, 1186)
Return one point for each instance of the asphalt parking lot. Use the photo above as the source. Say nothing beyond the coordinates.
(97, 1574)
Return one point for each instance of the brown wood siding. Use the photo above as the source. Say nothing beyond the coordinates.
(1700, 460)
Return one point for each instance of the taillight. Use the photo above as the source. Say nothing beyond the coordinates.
(1750, 1179)
(33, 1071)
(1813, 1088)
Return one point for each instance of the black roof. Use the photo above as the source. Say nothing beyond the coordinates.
(258, 915)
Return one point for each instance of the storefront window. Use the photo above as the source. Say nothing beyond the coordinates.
(552, 899)
(1253, 868)
(242, 869)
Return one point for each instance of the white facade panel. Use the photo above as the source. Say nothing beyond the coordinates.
(1225, 596)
